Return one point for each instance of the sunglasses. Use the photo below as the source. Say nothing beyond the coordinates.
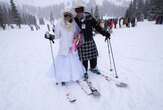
(67, 15)
(79, 10)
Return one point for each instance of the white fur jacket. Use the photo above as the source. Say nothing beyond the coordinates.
(66, 34)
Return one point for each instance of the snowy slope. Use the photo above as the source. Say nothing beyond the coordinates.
(27, 84)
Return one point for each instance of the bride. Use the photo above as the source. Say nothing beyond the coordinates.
(68, 67)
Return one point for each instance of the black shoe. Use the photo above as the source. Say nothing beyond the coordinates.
(85, 76)
(96, 71)
(63, 83)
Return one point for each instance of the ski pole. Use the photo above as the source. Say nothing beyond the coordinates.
(52, 57)
(52, 53)
(109, 57)
(111, 51)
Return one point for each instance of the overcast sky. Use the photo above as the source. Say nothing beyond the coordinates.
(50, 2)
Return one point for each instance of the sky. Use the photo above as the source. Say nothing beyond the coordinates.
(43, 3)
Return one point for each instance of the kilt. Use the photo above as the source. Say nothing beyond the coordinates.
(88, 50)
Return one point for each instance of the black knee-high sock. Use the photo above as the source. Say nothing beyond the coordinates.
(85, 63)
(93, 63)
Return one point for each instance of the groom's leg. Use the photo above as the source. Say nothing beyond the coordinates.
(85, 63)
(93, 63)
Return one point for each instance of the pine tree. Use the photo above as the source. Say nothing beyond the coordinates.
(140, 10)
(34, 21)
(51, 18)
(96, 13)
(136, 9)
(6, 15)
(15, 15)
(41, 21)
(156, 8)
(146, 8)
(92, 12)
(1, 18)
(130, 11)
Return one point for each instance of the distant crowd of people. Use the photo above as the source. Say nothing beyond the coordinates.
(159, 20)
(122, 22)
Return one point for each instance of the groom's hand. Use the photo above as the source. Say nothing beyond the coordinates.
(107, 36)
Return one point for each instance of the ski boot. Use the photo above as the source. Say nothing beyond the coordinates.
(95, 70)
(85, 76)
(63, 83)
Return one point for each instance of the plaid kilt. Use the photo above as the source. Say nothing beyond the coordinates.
(88, 50)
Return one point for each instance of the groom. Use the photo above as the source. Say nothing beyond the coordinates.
(88, 50)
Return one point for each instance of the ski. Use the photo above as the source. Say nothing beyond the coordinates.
(88, 88)
(109, 78)
(94, 91)
(84, 87)
(117, 83)
(70, 98)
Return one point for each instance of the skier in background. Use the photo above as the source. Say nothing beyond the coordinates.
(120, 22)
(115, 22)
(133, 21)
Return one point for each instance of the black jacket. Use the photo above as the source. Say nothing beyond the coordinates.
(87, 24)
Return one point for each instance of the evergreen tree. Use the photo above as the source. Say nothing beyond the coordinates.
(136, 9)
(146, 8)
(41, 21)
(1, 18)
(28, 19)
(15, 15)
(156, 8)
(51, 18)
(92, 12)
(96, 13)
(130, 10)
(34, 21)
(140, 10)
(6, 16)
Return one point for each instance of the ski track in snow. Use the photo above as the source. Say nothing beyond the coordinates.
(27, 83)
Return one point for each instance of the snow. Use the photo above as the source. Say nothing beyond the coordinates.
(27, 84)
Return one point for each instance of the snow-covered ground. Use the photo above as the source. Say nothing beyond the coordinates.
(27, 84)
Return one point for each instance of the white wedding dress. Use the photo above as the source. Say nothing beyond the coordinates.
(67, 64)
